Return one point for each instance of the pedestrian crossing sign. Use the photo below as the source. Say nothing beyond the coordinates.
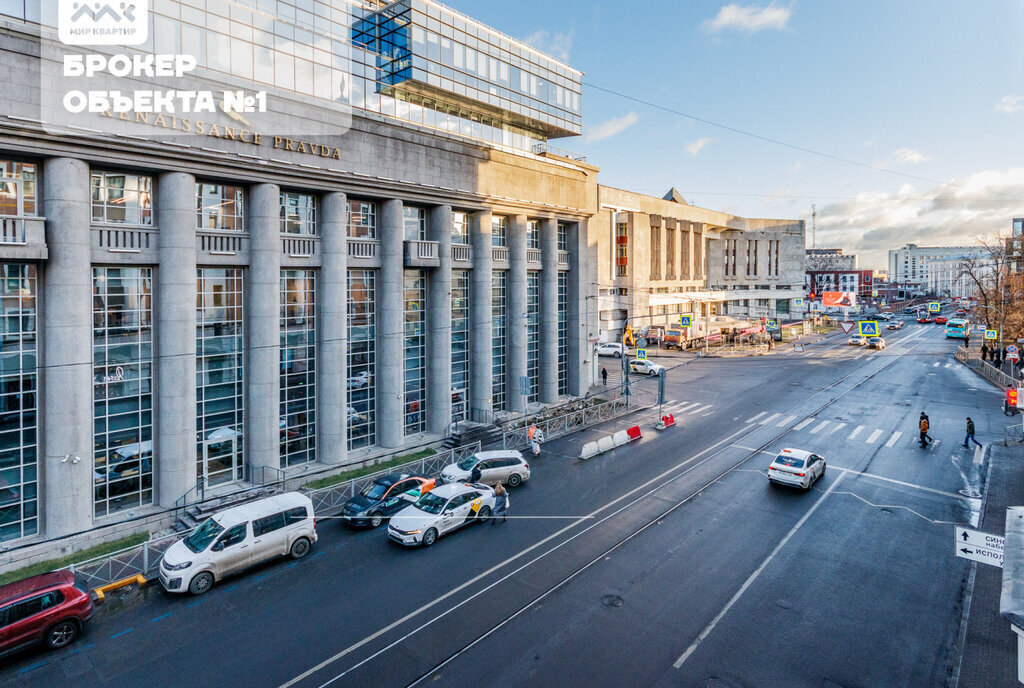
(641, 354)
(685, 320)
(991, 334)
(868, 328)
(874, 292)
(798, 302)
(772, 324)
(934, 307)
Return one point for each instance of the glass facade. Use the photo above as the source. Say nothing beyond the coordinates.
(122, 346)
(298, 367)
(362, 220)
(415, 351)
(17, 187)
(499, 337)
(298, 213)
(362, 359)
(563, 333)
(563, 236)
(460, 343)
(219, 207)
(533, 334)
(415, 221)
(220, 406)
(19, 446)
(499, 230)
(122, 198)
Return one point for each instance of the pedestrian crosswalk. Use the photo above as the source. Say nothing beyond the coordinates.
(693, 408)
(827, 427)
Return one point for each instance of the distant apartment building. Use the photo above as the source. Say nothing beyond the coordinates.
(947, 276)
(830, 259)
(910, 266)
(827, 269)
(1015, 246)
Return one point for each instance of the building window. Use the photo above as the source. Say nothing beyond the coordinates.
(362, 359)
(17, 188)
(298, 213)
(122, 350)
(298, 367)
(220, 396)
(621, 248)
(499, 229)
(563, 236)
(219, 207)
(460, 227)
(362, 220)
(19, 446)
(499, 284)
(533, 234)
(122, 198)
(533, 334)
(460, 343)
(415, 351)
(563, 333)
(773, 258)
(415, 220)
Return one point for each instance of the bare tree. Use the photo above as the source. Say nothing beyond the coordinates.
(999, 291)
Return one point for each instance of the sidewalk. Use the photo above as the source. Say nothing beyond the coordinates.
(989, 657)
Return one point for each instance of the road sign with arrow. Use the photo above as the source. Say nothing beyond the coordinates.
(978, 546)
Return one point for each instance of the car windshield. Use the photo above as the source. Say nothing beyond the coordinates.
(467, 463)
(202, 536)
(875, 340)
(374, 490)
(790, 461)
(431, 503)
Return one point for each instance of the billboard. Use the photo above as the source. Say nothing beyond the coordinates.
(837, 299)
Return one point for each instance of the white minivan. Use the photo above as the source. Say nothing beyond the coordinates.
(238, 538)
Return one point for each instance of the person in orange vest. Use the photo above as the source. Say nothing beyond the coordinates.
(536, 436)
(1010, 406)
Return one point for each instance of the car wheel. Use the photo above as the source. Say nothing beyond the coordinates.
(514, 480)
(823, 467)
(429, 537)
(618, 354)
(61, 634)
(300, 548)
(485, 513)
(376, 518)
(201, 583)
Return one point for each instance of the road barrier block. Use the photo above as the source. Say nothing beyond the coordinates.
(620, 438)
(670, 420)
(605, 443)
(589, 449)
(634, 433)
(101, 591)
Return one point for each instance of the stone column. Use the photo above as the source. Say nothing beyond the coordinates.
(516, 323)
(578, 319)
(685, 250)
(332, 331)
(481, 408)
(176, 337)
(391, 354)
(698, 250)
(263, 328)
(439, 322)
(549, 311)
(66, 419)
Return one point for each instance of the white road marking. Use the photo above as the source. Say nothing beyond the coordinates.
(821, 427)
(979, 455)
(894, 439)
(853, 435)
(770, 418)
(936, 364)
(948, 365)
(873, 437)
(702, 408)
(785, 421)
(804, 423)
(687, 406)
(760, 415)
(837, 428)
(873, 476)
(743, 588)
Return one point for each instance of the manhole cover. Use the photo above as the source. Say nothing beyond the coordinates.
(611, 601)
(784, 604)
(903, 403)
(973, 494)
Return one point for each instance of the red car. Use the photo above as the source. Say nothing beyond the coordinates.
(940, 319)
(924, 318)
(47, 608)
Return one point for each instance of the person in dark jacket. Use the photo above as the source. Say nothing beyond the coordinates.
(970, 433)
(474, 475)
(604, 376)
(923, 425)
(984, 352)
(500, 504)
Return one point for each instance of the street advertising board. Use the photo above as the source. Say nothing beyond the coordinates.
(838, 299)
(868, 328)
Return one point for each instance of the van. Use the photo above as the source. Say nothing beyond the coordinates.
(238, 538)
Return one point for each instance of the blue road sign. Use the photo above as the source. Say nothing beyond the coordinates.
(868, 328)
(991, 334)
(686, 320)
(934, 307)
(641, 354)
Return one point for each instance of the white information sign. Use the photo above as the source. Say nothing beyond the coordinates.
(978, 546)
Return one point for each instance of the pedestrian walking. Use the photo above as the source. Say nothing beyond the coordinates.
(967, 341)
(923, 425)
(970, 433)
(604, 376)
(984, 352)
(500, 504)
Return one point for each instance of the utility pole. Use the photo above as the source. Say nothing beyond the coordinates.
(814, 227)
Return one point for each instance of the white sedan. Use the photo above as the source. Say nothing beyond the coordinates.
(359, 380)
(500, 466)
(646, 367)
(440, 511)
(616, 349)
(796, 467)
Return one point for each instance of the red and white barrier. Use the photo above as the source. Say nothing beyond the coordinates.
(619, 439)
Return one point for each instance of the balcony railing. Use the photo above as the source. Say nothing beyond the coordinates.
(124, 239)
(362, 248)
(533, 255)
(545, 149)
(563, 259)
(462, 253)
(221, 243)
(299, 246)
(499, 253)
(421, 254)
(12, 230)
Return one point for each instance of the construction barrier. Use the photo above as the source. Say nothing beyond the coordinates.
(620, 438)
(605, 443)
(609, 442)
(666, 421)
(634, 433)
(589, 449)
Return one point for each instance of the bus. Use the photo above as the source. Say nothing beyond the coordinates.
(958, 328)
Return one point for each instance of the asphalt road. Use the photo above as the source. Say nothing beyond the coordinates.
(668, 562)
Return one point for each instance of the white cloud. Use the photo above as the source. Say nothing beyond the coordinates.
(608, 129)
(904, 156)
(1010, 104)
(556, 45)
(749, 18)
(952, 214)
(694, 147)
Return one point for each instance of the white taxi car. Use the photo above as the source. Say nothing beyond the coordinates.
(440, 511)
(796, 467)
(646, 367)
(499, 466)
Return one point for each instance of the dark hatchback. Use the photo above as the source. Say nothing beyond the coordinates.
(383, 497)
(46, 609)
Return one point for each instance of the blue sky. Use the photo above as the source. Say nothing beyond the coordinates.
(930, 89)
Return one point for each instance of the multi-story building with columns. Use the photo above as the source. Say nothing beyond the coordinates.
(186, 312)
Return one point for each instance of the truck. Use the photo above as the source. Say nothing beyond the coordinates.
(678, 337)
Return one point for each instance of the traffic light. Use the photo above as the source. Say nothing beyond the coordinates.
(811, 295)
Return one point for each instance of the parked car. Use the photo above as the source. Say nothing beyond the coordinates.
(895, 325)
(616, 349)
(857, 340)
(646, 367)
(440, 511)
(499, 466)
(385, 496)
(876, 343)
(238, 538)
(47, 609)
(359, 380)
(796, 467)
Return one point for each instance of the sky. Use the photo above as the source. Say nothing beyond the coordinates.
(902, 121)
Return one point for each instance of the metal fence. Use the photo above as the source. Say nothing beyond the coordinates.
(1013, 433)
(989, 372)
(131, 561)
